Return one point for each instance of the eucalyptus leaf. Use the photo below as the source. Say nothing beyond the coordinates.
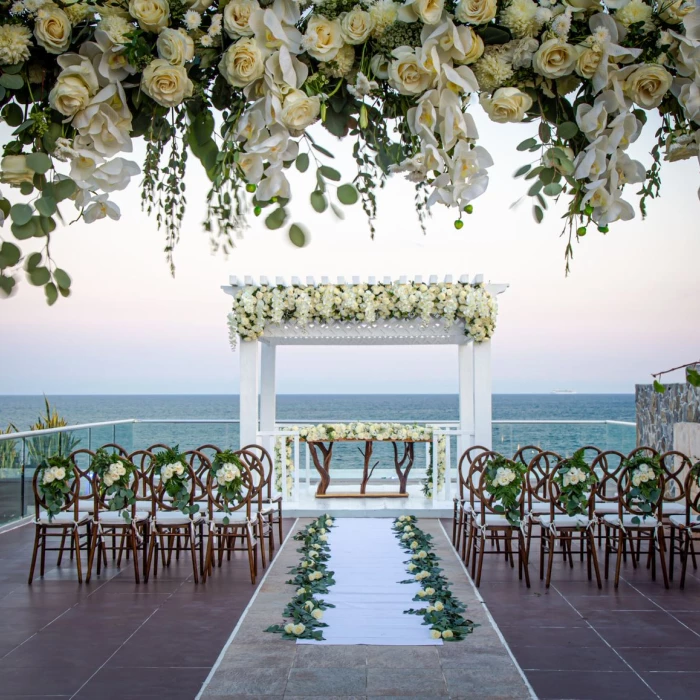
(567, 130)
(538, 213)
(521, 171)
(276, 219)
(552, 189)
(330, 173)
(347, 194)
(9, 254)
(39, 162)
(527, 144)
(21, 214)
(11, 82)
(318, 201)
(51, 293)
(39, 276)
(339, 213)
(62, 278)
(33, 259)
(46, 205)
(64, 189)
(302, 162)
(297, 235)
(12, 113)
(6, 284)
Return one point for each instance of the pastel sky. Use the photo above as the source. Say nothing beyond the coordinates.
(629, 307)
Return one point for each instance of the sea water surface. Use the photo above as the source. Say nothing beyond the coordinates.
(22, 411)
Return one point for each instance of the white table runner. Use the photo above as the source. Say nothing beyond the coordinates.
(370, 601)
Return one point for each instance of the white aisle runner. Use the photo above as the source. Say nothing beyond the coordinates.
(369, 600)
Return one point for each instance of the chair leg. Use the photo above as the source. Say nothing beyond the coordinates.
(60, 548)
(592, 554)
(685, 546)
(94, 544)
(193, 552)
(621, 545)
(42, 562)
(524, 556)
(672, 553)
(542, 544)
(607, 552)
(35, 550)
(482, 547)
(207, 559)
(550, 559)
(76, 538)
(662, 554)
(261, 539)
(150, 560)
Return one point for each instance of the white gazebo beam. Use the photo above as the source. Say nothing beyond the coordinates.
(268, 392)
(248, 392)
(465, 364)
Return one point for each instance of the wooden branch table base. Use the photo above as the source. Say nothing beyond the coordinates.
(402, 464)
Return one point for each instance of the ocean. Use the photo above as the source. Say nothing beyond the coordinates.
(22, 411)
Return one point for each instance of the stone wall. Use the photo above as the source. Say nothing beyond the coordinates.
(658, 413)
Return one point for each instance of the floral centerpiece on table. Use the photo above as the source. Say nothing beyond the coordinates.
(115, 480)
(311, 579)
(238, 84)
(504, 480)
(254, 308)
(174, 472)
(644, 472)
(393, 432)
(227, 469)
(443, 612)
(54, 483)
(575, 480)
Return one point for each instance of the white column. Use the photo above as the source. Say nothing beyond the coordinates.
(482, 393)
(465, 361)
(268, 392)
(248, 350)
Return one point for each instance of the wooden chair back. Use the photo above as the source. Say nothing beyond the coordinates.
(607, 467)
(556, 507)
(82, 463)
(676, 468)
(488, 501)
(464, 466)
(536, 480)
(264, 459)
(72, 500)
(218, 503)
(629, 506)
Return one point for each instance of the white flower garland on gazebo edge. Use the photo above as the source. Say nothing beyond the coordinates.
(254, 308)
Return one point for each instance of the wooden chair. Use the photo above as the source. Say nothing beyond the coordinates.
(108, 522)
(631, 521)
(557, 524)
(66, 523)
(472, 506)
(607, 467)
(169, 524)
(488, 522)
(685, 528)
(526, 454)
(458, 512)
(229, 521)
(269, 507)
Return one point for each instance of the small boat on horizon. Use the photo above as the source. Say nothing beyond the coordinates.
(563, 391)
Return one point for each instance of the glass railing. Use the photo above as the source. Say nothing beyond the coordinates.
(20, 453)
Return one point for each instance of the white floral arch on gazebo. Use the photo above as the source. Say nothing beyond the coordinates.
(267, 314)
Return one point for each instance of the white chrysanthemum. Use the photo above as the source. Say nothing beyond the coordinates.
(383, 13)
(522, 17)
(17, 8)
(116, 28)
(15, 41)
(33, 5)
(492, 70)
(192, 19)
(78, 11)
(342, 64)
(561, 26)
(634, 12)
(215, 28)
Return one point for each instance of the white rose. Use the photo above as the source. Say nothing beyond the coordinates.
(355, 25)
(299, 110)
(166, 84)
(52, 29)
(152, 15)
(506, 105)
(176, 46)
(74, 88)
(588, 61)
(243, 63)
(674, 11)
(323, 38)
(689, 99)
(647, 85)
(430, 11)
(60, 473)
(237, 17)
(554, 59)
(406, 74)
(475, 11)
(317, 614)
(14, 170)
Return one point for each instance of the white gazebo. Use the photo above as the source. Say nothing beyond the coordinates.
(258, 358)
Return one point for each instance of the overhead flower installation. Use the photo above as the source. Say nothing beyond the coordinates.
(238, 83)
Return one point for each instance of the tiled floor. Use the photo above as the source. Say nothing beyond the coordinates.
(112, 638)
(575, 641)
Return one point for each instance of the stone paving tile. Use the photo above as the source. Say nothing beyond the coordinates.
(327, 681)
(403, 657)
(406, 682)
(312, 656)
(486, 681)
(246, 681)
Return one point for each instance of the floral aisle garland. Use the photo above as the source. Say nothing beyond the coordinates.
(443, 612)
(645, 473)
(238, 83)
(575, 480)
(284, 456)
(311, 577)
(54, 483)
(254, 308)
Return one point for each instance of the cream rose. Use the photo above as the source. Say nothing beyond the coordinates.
(508, 104)
(237, 17)
(75, 85)
(406, 74)
(476, 50)
(176, 46)
(243, 63)
(647, 85)
(152, 15)
(554, 59)
(14, 170)
(588, 61)
(166, 84)
(430, 11)
(323, 38)
(299, 110)
(674, 12)
(355, 25)
(475, 11)
(52, 29)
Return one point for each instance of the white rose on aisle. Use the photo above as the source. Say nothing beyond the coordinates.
(166, 84)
